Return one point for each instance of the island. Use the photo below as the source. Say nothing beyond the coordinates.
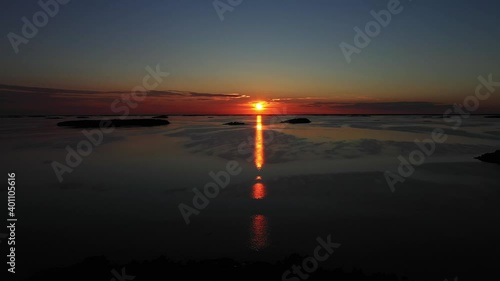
(297, 121)
(493, 157)
(113, 123)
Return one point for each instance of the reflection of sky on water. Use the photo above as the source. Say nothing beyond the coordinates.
(316, 178)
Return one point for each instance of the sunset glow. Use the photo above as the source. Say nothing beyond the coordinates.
(246, 140)
(293, 68)
(259, 106)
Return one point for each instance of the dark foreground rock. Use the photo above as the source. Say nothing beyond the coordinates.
(100, 268)
(235, 123)
(493, 157)
(297, 121)
(114, 123)
(161, 116)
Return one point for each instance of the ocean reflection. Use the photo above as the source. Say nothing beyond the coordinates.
(258, 191)
(259, 144)
(259, 229)
(259, 239)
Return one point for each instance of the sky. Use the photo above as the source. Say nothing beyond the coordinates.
(285, 54)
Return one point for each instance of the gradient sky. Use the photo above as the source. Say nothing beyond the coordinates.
(282, 52)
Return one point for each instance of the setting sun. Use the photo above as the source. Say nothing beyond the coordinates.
(259, 106)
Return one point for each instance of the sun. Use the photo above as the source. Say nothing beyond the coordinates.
(259, 106)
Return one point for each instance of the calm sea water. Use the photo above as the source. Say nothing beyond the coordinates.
(297, 182)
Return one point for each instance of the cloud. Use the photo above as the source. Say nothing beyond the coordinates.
(14, 89)
(399, 106)
(22, 100)
(37, 90)
(215, 95)
(6, 90)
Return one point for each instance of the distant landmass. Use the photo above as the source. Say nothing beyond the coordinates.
(114, 123)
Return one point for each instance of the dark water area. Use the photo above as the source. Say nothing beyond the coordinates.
(269, 191)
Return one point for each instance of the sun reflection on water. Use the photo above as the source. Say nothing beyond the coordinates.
(259, 144)
(259, 239)
(259, 236)
(258, 191)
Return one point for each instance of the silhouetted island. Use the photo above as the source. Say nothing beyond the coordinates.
(161, 116)
(492, 116)
(113, 123)
(235, 123)
(297, 121)
(493, 157)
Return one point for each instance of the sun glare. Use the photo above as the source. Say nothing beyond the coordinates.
(259, 106)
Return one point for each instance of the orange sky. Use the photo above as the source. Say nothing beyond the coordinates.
(33, 100)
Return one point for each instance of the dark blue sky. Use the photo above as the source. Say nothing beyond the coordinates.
(432, 51)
